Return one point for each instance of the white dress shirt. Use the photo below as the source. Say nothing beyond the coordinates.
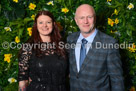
(78, 46)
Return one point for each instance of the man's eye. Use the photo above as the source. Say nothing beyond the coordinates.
(90, 16)
(81, 17)
(40, 22)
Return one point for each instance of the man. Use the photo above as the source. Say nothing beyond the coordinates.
(93, 67)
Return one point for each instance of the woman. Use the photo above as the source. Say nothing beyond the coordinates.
(44, 66)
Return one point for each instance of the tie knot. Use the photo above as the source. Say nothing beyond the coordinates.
(84, 41)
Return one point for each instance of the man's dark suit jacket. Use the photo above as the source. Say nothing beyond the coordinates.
(101, 69)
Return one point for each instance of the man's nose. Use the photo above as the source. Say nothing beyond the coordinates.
(86, 20)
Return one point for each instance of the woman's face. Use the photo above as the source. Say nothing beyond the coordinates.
(44, 25)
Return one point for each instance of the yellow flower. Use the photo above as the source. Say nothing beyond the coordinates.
(32, 6)
(130, 6)
(50, 3)
(116, 21)
(7, 57)
(33, 17)
(16, 1)
(7, 28)
(113, 31)
(110, 22)
(115, 12)
(11, 80)
(108, 0)
(132, 88)
(29, 31)
(65, 10)
(133, 48)
(17, 40)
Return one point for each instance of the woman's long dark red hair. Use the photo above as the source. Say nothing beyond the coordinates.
(54, 36)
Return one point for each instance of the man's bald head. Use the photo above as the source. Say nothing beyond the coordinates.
(85, 7)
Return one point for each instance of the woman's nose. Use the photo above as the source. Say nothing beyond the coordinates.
(45, 24)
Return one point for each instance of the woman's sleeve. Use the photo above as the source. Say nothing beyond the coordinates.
(23, 73)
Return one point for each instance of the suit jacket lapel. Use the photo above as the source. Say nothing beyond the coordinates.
(91, 51)
(73, 62)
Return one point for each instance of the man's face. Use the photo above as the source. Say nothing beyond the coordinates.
(85, 19)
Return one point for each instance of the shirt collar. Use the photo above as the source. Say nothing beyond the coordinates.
(89, 38)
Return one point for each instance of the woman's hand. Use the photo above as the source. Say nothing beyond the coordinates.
(23, 85)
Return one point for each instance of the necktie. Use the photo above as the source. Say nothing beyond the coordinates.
(83, 51)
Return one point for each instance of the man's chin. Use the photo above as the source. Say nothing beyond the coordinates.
(89, 31)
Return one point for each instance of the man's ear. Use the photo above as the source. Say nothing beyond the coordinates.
(76, 20)
(94, 19)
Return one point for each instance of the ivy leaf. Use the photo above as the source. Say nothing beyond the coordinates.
(129, 32)
(26, 20)
(20, 32)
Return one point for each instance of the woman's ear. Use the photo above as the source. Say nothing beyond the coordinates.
(54, 23)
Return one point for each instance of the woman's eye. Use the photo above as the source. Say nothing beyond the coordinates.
(48, 22)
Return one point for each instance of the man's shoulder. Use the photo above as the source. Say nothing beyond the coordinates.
(73, 35)
(105, 37)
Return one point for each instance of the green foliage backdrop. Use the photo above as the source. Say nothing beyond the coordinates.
(114, 17)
